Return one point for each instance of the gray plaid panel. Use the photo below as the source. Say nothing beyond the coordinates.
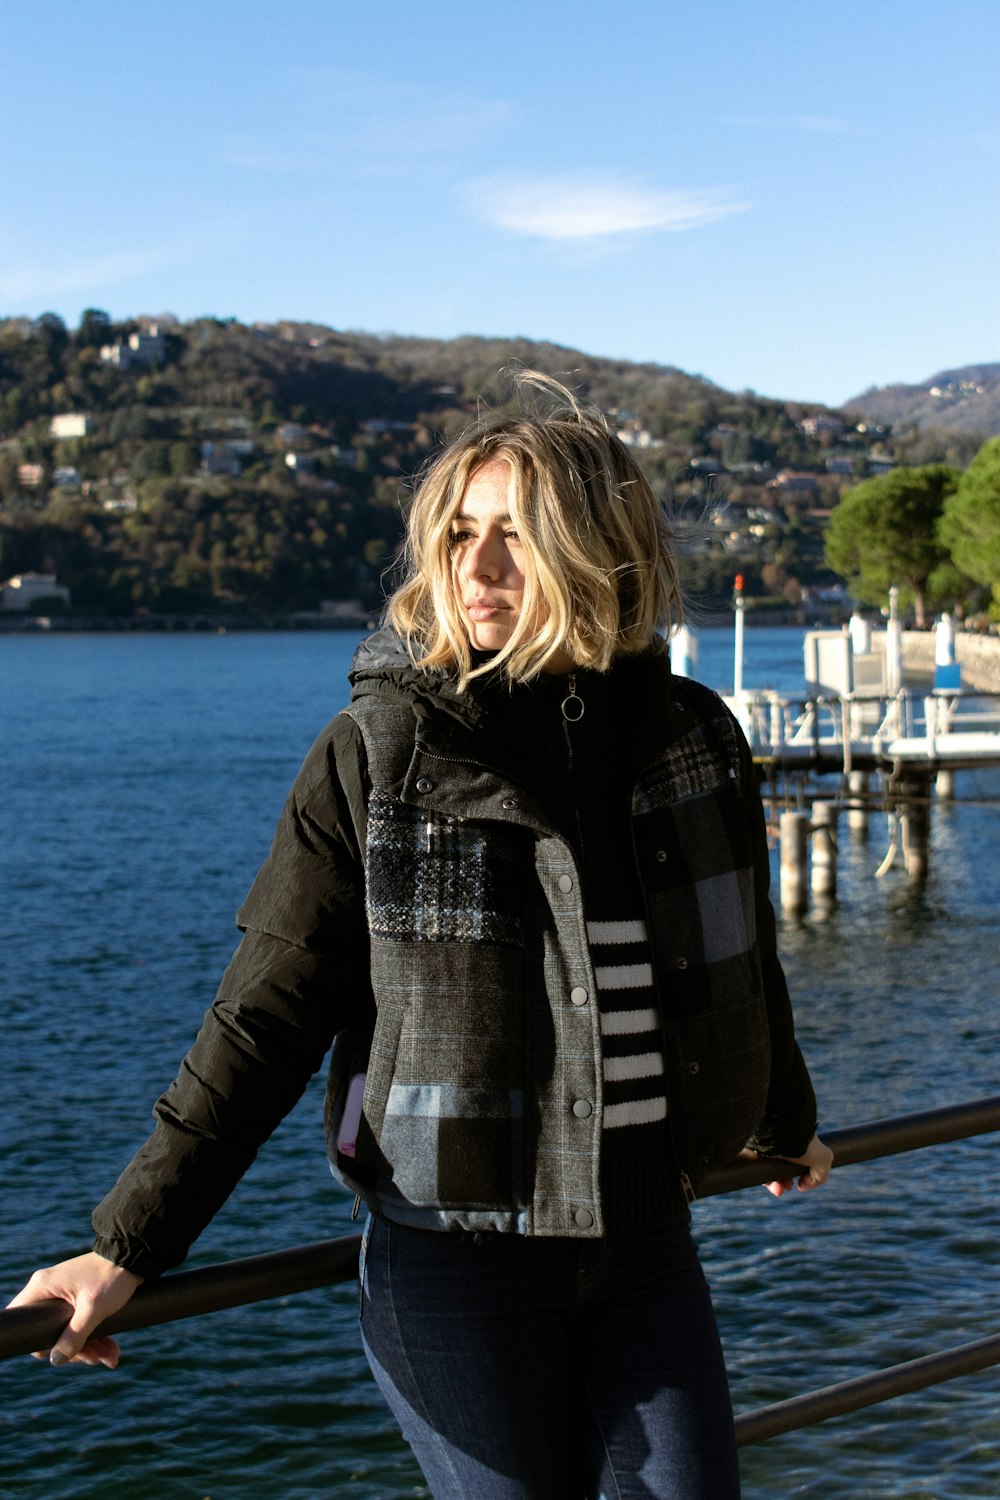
(724, 904)
(701, 761)
(439, 879)
(723, 1098)
(455, 1146)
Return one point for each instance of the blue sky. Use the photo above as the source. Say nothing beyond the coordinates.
(794, 196)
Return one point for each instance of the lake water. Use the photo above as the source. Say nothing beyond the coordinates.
(129, 764)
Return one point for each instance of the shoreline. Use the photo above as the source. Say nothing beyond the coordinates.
(978, 655)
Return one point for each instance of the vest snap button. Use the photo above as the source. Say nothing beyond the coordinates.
(424, 784)
(565, 883)
(694, 1069)
(583, 1218)
(583, 1109)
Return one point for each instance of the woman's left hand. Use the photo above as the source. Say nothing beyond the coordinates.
(817, 1159)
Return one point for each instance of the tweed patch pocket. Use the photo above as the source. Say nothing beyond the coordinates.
(702, 761)
(438, 879)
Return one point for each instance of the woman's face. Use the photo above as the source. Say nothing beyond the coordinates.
(487, 560)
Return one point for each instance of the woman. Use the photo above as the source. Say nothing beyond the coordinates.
(522, 882)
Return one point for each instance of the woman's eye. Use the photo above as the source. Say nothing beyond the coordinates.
(459, 536)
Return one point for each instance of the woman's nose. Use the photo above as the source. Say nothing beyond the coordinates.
(482, 559)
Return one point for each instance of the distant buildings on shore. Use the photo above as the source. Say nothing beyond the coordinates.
(25, 591)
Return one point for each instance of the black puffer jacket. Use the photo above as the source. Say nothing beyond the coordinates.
(415, 898)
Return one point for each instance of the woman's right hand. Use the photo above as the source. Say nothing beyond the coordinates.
(95, 1288)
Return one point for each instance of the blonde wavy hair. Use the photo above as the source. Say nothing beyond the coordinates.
(599, 551)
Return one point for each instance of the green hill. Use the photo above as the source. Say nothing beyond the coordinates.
(209, 466)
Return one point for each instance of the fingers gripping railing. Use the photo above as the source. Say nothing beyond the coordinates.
(235, 1283)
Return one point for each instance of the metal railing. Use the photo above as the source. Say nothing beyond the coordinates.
(190, 1294)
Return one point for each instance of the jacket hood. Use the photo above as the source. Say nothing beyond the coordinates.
(382, 668)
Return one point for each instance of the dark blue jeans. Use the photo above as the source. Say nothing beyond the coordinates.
(550, 1369)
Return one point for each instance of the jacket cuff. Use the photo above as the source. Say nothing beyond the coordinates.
(130, 1257)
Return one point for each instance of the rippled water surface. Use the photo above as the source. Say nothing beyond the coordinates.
(141, 780)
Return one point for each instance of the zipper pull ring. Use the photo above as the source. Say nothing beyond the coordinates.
(573, 707)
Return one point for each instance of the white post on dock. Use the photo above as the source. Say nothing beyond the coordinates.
(893, 646)
(738, 645)
(947, 671)
(684, 651)
(861, 635)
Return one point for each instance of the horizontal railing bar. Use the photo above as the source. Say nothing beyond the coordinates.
(866, 1390)
(871, 1142)
(285, 1272)
(189, 1294)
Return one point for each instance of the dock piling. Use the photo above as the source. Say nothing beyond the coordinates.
(857, 813)
(824, 850)
(914, 796)
(794, 839)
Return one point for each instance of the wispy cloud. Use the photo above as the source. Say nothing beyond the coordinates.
(814, 124)
(582, 207)
(299, 156)
(819, 124)
(27, 278)
(56, 280)
(357, 122)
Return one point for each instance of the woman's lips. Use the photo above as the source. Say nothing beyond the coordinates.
(485, 609)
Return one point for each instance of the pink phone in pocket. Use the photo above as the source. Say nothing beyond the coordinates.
(347, 1135)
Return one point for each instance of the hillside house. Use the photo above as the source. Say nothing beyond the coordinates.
(148, 348)
(634, 436)
(220, 458)
(821, 426)
(71, 424)
(793, 482)
(24, 591)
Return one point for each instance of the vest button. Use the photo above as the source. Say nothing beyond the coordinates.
(682, 963)
(508, 804)
(583, 1109)
(565, 883)
(583, 1218)
(694, 1069)
(661, 856)
(424, 784)
(578, 995)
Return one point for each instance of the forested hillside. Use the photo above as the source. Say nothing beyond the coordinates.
(211, 467)
(955, 401)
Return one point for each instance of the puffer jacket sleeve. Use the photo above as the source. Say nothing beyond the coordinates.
(300, 973)
(789, 1119)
